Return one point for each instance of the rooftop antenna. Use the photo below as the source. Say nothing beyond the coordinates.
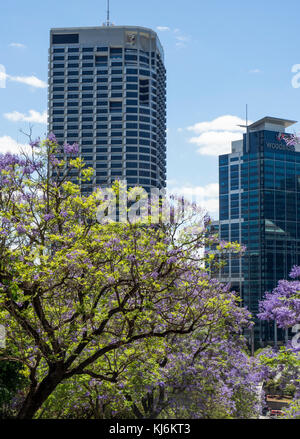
(247, 129)
(108, 13)
(245, 126)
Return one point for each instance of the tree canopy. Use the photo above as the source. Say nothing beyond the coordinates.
(83, 298)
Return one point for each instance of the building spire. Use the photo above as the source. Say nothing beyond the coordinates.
(247, 129)
(108, 14)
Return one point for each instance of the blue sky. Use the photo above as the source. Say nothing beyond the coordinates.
(219, 56)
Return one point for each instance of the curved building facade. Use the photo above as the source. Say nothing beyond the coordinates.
(107, 92)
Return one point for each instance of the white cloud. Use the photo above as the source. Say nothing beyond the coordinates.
(33, 116)
(222, 123)
(182, 40)
(163, 28)
(8, 144)
(171, 182)
(215, 143)
(255, 71)
(18, 45)
(215, 136)
(33, 81)
(209, 191)
(2, 76)
(206, 197)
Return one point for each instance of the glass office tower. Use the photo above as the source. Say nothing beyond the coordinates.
(260, 208)
(107, 92)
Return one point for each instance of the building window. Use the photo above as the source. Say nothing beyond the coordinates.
(115, 106)
(132, 78)
(65, 39)
(131, 102)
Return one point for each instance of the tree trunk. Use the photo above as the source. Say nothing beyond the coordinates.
(35, 399)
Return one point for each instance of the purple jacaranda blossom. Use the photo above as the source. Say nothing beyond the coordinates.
(71, 149)
(11, 163)
(54, 160)
(206, 220)
(73, 255)
(49, 216)
(20, 229)
(27, 197)
(8, 161)
(284, 316)
(283, 304)
(295, 272)
(172, 260)
(174, 252)
(131, 258)
(35, 143)
(52, 138)
(64, 213)
(29, 169)
(110, 280)
(114, 241)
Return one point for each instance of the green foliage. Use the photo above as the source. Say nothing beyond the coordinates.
(82, 298)
(293, 411)
(12, 380)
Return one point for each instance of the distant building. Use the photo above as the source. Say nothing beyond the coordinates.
(260, 208)
(107, 92)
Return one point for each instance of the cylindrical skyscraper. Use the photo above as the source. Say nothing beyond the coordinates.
(107, 92)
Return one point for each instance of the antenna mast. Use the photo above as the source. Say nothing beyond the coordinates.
(108, 13)
(247, 129)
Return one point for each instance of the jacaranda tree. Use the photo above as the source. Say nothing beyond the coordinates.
(191, 380)
(282, 306)
(84, 298)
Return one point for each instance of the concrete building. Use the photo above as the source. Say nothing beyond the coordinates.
(107, 92)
